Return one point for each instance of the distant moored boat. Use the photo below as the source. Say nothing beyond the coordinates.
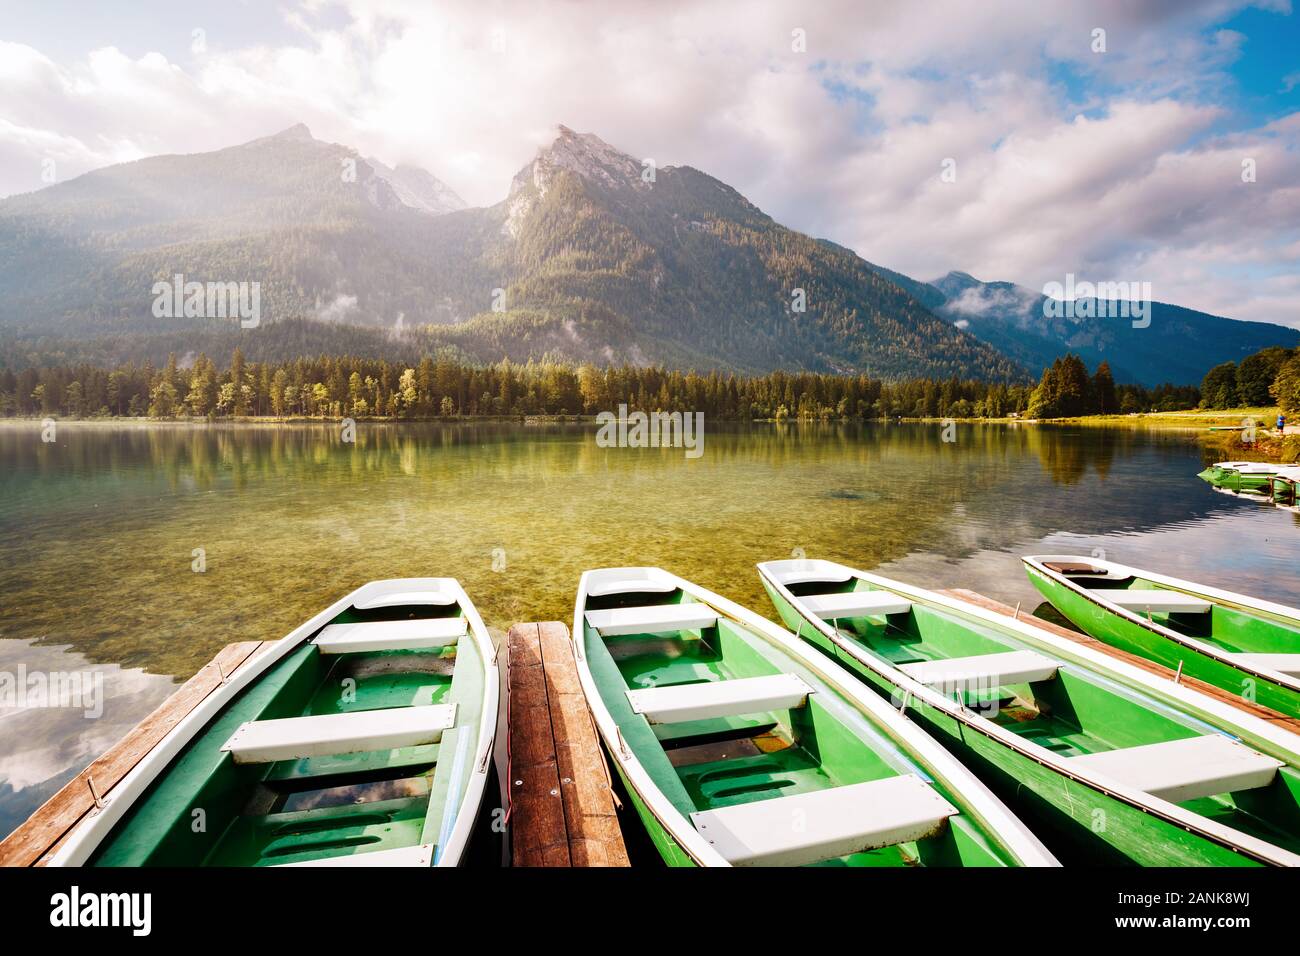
(1241, 475)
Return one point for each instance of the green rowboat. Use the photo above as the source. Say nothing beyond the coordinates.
(1242, 644)
(361, 738)
(1241, 475)
(740, 746)
(1120, 766)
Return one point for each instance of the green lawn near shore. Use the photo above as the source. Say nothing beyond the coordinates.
(1201, 418)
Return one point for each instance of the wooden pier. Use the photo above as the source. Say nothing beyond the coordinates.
(562, 810)
(1191, 683)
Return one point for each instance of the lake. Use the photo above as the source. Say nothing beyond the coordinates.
(102, 530)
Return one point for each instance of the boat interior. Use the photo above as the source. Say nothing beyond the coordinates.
(1255, 637)
(1283, 486)
(1072, 712)
(736, 735)
(358, 741)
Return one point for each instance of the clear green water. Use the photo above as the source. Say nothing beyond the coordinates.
(97, 531)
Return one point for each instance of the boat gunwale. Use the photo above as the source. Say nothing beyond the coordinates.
(1139, 799)
(984, 807)
(1217, 596)
(89, 833)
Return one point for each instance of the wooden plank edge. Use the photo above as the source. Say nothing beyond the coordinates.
(538, 829)
(1151, 667)
(36, 840)
(595, 838)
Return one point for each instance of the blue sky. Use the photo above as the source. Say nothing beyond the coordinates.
(1119, 165)
(1267, 75)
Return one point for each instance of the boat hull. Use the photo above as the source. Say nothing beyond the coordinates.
(670, 851)
(1231, 479)
(839, 735)
(345, 743)
(1128, 635)
(1089, 825)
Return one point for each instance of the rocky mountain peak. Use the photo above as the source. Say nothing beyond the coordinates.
(297, 132)
(585, 154)
(418, 188)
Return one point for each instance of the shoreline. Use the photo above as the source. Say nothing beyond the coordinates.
(1228, 421)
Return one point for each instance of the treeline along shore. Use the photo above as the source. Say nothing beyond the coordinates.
(439, 387)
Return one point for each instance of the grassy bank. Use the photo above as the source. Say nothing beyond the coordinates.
(1225, 445)
(1199, 418)
(1267, 446)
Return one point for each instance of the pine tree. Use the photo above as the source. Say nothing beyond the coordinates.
(237, 379)
(1073, 387)
(1043, 402)
(1105, 401)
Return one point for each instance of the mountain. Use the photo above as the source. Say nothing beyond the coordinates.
(322, 231)
(680, 268)
(1179, 345)
(588, 258)
(418, 188)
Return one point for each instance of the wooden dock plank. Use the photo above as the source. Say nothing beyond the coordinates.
(594, 835)
(562, 809)
(1151, 667)
(36, 840)
(539, 835)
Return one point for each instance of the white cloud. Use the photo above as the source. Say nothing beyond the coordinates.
(1117, 175)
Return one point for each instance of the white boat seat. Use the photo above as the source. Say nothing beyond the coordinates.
(1179, 770)
(722, 698)
(652, 619)
(418, 855)
(1073, 568)
(1285, 663)
(987, 671)
(810, 576)
(400, 598)
(810, 827)
(391, 635)
(293, 738)
(855, 604)
(630, 586)
(1156, 601)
